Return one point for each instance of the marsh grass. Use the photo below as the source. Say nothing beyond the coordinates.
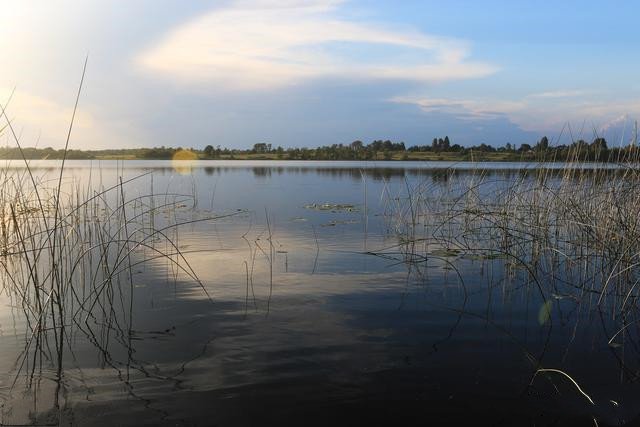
(68, 253)
(569, 233)
(68, 262)
(578, 225)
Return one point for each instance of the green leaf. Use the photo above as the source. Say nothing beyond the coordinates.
(545, 312)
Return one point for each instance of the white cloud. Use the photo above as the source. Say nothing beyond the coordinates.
(543, 112)
(33, 115)
(463, 108)
(317, 5)
(621, 121)
(558, 94)
(265, 44)
(621, 130)
(37, 119)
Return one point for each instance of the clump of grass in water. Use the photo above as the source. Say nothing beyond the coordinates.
(67, 255)
(576, 225)
(570, 232)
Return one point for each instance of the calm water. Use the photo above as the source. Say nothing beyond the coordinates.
(306, 325)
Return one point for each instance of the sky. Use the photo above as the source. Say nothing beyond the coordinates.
(301, 73)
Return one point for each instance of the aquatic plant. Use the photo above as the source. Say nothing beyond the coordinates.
(68, 253)
(568, 233)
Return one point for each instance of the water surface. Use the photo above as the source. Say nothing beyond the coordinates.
(305, 314)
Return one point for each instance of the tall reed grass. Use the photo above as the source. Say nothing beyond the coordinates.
(569, 231)
(68, 252)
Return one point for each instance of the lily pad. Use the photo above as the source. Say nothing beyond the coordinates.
(332, 207)
(446, 253)
(334, 223)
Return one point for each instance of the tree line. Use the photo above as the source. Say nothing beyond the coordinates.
(580, 150)
(542, 150)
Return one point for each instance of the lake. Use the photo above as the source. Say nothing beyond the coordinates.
(301, 293)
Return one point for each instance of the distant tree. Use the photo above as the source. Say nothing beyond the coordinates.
(376, 146)
(524, 148)
(543, 144)
(261, 147)
(357, 145)
(599, 150)
(208, 150)
(485, 148)
(369, 154)
(600, 144)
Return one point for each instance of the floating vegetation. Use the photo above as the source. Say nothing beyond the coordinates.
(484, 256)
(331, 207)
(338, 222)
(447, 253)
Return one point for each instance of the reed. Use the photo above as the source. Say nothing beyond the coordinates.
(569, 232)
(575, 226)
(68, 251)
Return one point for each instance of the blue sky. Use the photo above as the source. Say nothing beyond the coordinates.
(310, 72)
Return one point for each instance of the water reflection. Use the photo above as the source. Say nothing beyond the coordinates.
(301, 315)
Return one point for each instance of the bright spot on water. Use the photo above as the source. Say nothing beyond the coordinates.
(182, 161)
